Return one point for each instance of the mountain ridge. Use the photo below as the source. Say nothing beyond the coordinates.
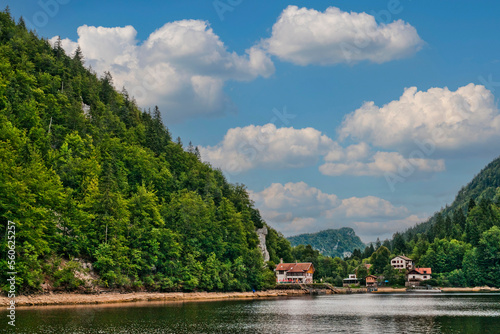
(330, 242)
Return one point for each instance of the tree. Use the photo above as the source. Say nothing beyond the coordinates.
(399, 245)
(471, 205)
(489, 255)
(379, 260)
(78, 55)
(361, 273)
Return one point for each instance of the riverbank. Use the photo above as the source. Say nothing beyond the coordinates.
(116, 297)
(474, 289)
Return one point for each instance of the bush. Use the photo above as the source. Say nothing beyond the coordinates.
(457, 278)
(66, 279)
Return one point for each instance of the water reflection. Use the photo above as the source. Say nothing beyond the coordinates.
(444, 313)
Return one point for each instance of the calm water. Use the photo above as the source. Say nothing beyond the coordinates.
(366, 313)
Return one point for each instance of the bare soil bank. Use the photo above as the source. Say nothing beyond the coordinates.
(116, 297)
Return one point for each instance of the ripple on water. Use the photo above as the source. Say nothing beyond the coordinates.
(444, 313)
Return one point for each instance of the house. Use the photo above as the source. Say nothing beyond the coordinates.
(294, 272)
(350, 281)
(417, 275)
(402, 263)
(371, 280)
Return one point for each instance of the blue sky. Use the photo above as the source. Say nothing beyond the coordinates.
(359, 146)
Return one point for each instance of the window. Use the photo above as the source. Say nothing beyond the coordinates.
(425, 276)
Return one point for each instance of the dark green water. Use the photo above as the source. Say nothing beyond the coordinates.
(364, 313)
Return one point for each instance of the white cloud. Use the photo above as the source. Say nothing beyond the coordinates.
(295, 208)
(386, 228)
(306, 200)
(306, 36)
(439, 118)
(267, 147)
(370, 206)
(382, 163)
(182, 66)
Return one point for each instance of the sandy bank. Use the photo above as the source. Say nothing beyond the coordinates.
(472, 289)
(116, 297)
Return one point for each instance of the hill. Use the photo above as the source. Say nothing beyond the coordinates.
(93, 190)
(340, 242)
(483, 187)
(461, 243)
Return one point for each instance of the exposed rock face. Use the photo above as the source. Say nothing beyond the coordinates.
(262, 233)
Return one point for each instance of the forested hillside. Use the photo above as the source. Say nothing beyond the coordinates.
(330, 242)
(88, 177)
(483, 186)
(461, 243)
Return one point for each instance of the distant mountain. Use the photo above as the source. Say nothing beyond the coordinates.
(330, 242)
(484, 186)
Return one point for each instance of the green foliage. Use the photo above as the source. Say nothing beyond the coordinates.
(330, 242)
(461, 243)
(379, 260)
(65, 278)
(85, 173)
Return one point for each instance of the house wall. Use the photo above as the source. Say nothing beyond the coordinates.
(400, 263)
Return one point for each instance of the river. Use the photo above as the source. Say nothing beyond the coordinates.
(357, 313)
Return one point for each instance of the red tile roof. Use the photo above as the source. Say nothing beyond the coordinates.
(294, 267)
(424, 271)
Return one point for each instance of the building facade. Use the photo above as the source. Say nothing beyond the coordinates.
(294, 272)
(416, 276)
(371, 281)
(402, 263)
(351, 280)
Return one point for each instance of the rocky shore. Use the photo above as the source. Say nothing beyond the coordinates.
(116, 297)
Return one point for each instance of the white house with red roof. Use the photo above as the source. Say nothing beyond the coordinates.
(294, 272)
(417, 275)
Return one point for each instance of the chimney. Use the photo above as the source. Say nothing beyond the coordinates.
(281, 260)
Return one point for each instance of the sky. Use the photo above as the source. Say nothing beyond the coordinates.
(367, 114)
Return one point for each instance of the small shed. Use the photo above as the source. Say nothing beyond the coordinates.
(371, 281)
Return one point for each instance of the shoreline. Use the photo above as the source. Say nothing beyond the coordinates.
(76, 299)
(54, 299)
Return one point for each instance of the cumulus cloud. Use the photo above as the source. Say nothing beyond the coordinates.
(370, 206)
(306, 36)
(439, 118)
(385, 228)
(182, 66)
(307, 201)
(382, 163)
(295, 208)
(267, 147)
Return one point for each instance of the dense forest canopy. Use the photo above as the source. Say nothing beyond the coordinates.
(89, 177)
